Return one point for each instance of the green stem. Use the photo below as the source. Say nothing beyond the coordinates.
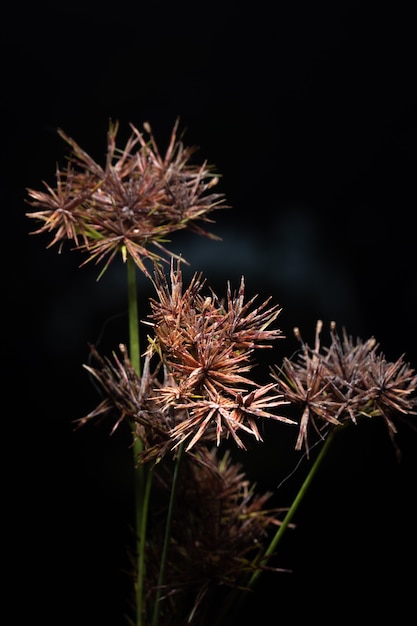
(293, 508)
(236, 606)
(167, 536)
(134, 343)
(142, 493)
(142, 518)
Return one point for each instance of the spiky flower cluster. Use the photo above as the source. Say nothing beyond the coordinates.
(135, 201)
(195, 390)
(202, 529)
(207, 347)
(199, 389)
(340, 383)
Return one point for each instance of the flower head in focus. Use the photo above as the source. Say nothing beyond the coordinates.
(132, 203)
(347, 380)
(207, 347)
(195, 385)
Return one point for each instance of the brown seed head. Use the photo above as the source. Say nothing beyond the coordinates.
(345, 381)
(132, 203)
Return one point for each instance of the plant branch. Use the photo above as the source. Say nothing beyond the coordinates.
(293, 508)
(134, 343)
(167, 536)
(142, 518)
(241, 596)
(142, 493)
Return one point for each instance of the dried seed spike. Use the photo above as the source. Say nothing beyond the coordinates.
(319, 327)
(297, 334)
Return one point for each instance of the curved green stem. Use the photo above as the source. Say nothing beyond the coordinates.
(167, 536)
(291, 511)
(236, 606)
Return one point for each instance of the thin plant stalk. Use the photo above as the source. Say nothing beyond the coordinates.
(142, 520)
(237, 595)
(293, 508)
(167, 535)
(134, 341)
(142, 492)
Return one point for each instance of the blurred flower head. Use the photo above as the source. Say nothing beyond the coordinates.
(220, 525)
(132, 203)
(130, 397)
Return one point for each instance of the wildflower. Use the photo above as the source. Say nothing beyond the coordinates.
(131, 397)
(62, 207)
(336, 385)
(135, 201)
(207, 346)
(198, 389)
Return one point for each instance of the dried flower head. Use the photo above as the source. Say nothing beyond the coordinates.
(199, 390)
(131, 397)
(207, 346)
(343, 382)
(135, 201)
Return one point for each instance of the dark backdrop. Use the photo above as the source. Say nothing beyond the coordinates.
(308, 112)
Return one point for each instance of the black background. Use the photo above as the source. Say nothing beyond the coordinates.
(308, 113)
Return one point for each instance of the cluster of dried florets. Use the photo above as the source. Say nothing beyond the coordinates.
(220, 522)
(194, 391)
(135, 201)
(199, 389)
(207, 347)
(198, 394)
(343, 382)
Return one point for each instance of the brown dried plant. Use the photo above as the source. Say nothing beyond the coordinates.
(132, 203)
(201, 527)
(195, 391)
(346, 381)
(194, 384)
